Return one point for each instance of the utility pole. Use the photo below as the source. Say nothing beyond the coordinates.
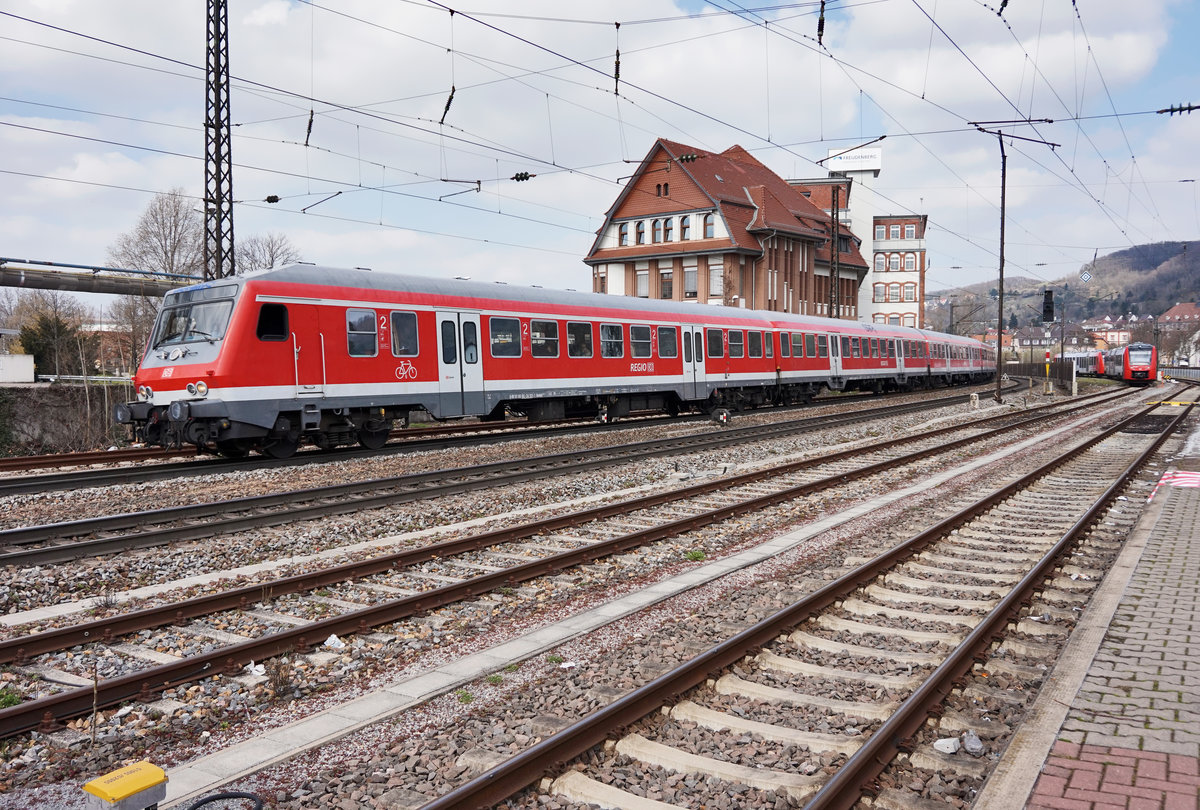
(835, 300)
(218, 158)
(1000, 136)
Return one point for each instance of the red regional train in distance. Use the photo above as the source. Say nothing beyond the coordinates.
(265, 361)
(1087, 364)
(1136, 364)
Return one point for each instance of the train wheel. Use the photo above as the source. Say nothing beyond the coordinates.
(373, 439)
(232, 448)
(281, 446)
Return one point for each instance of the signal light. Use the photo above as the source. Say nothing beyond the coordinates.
(1047, 306)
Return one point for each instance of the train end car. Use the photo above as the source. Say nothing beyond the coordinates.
(1134, 364)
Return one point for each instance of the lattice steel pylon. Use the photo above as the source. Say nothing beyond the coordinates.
(218, 157)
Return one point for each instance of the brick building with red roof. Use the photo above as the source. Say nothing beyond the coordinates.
(722, 228)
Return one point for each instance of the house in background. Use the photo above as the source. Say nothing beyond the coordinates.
(722, 228)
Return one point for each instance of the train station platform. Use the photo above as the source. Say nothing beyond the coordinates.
(1117, 723)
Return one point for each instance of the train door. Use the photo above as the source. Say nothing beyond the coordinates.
(835, 359)
(308, 349)
(694, 379)
(460, 364)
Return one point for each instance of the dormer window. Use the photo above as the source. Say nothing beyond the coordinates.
(656, 231)
(685, 228)
(668, 229)
(623, 234)
(641, 232)
(709, 226)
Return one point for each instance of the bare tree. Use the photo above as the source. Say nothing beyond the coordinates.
(133, 316)
(269, 250)
(168, 238)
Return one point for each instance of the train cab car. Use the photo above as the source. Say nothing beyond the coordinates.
(274, 358)
(1136, 364)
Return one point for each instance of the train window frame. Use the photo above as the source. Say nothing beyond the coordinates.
(356, 337)
(698, 338)
(822, 346)
(449, 332)
(785, 344)
(844, 345)
(855, 348)
(404, 328)
(716, 343)
(641, 345)
(768, 345)
(470, 343)
(269, 323)
(754, 337)
(543, 344)
(799, 340)
(495, 327)
(612, 348)
(668, 342)
(579, 341)
(737, 343)
(810, 345)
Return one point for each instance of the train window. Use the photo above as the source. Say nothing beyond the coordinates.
(543, 338)
(612, 340)
(754, 347)
(360, 333)
(273, 322)
(699, 338)
(810, 346)
(845, 346)
(470, 342)
(891, 348)
(506, 337)
(798, 341)
(874, 347)
(639, 341)
(668, 341)
(404, 334)
(768, 344)
(822, 346)
(687, 349)
(785, 344)
(737, 340)
(579, 339)
(449, 343)
(716, 344)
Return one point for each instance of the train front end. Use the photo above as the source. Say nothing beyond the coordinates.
(179, 381)
(1141, 363)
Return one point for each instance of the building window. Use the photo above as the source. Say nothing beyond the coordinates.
(895, 231)
(893, 292)
(880, 263)
(656, 231)
(685, 228)
(643, 284)
(602, 282)
(910, 261)
(666, 190)
(658, 190)
(879, 317)
(910, 231)
(623, 234)
(668, 230)
(881, 232)
(910, 292)
(880, 293)
(893, 320)
(909, 320)
(709, 226)
(716, 282)
(666, 284)
(641, 232)
(894, 261)
(690, 276)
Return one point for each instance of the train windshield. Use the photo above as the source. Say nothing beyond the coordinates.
(1139, 357)
(189, 316)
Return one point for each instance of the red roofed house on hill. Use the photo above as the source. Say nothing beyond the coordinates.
(721, 228)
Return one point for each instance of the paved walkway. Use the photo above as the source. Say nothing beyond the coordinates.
(1131, 737)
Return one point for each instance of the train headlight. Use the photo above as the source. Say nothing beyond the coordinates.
(201, 388)
(146, 393)
(175, 354)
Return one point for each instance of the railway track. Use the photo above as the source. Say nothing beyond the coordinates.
(497, 560)
(412, 440)
(39, 545)
(893, 638)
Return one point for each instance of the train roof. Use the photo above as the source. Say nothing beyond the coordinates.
(366, 279)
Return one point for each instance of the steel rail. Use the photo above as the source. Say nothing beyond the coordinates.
(555, 752)
(845, 788)
(127, 475)
(18, 649)
(46, 712)
(244, 513)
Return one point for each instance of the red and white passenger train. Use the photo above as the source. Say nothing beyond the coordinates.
(303, 353)
(1136, 364)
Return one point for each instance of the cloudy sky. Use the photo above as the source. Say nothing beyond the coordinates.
(102, 104)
